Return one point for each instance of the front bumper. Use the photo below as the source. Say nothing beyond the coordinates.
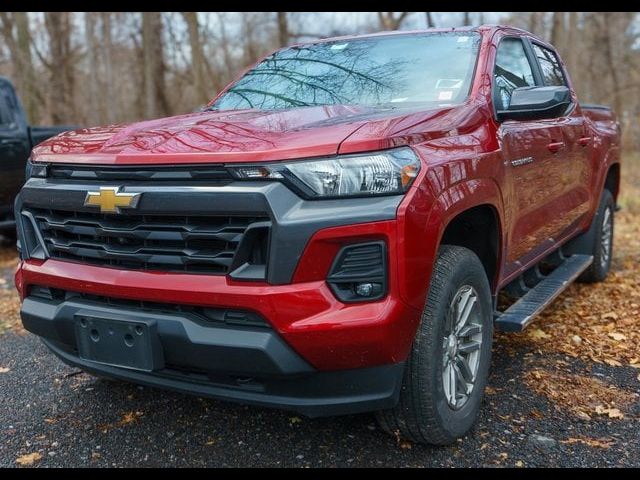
(250, 364)
(347, 357)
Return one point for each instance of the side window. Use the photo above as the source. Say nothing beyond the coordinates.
(7, 115)
(550, 66)
(512, 70)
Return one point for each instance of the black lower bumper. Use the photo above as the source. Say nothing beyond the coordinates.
(246, 364)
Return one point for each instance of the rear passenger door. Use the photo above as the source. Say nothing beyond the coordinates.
(576, 150)
(535, 162)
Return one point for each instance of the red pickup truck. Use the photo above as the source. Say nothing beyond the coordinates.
(332, 233)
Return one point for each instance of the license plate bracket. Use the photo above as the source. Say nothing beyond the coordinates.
(132, 344)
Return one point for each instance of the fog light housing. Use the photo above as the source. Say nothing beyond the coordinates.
(359, 272)
(368, 289)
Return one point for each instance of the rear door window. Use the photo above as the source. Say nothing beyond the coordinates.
(550, 66)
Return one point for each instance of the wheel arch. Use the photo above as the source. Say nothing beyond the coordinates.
(479, 229)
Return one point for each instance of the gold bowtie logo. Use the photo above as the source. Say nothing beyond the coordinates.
(110, 200)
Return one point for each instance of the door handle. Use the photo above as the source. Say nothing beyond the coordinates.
(555, 146)
(584, 141)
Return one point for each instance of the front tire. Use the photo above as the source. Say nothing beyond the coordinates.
(448, 366)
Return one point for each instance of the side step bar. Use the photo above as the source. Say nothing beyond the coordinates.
(521, 313)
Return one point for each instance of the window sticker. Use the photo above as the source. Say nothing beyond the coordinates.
(463, 39)
(445, 95)
(339, 46)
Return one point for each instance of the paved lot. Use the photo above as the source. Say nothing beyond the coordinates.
(53, 415)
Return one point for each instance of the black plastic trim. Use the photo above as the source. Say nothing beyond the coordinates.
(185, 341)
(336, 281)
(318, 394)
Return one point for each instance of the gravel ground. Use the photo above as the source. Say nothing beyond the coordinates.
(53, 415)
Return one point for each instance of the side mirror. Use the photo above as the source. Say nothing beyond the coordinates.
(534, 103)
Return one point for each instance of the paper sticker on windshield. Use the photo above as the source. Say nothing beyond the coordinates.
(339, 46)
(463, 39)
(445, 95)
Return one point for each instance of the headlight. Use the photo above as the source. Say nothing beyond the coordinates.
(389, 172)
(31, 169)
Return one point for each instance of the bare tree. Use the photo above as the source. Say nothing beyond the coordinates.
(391, 21)
(156, 103)
(283, 29)
(15, 31)
(198, 60)
(430, 23)
(106, 41)
(534, 22)
(61, 66)
(557, 30)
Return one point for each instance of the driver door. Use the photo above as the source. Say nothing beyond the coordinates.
(534, 161)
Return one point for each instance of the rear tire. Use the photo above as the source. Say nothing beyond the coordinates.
(601, 242)
(430, 410)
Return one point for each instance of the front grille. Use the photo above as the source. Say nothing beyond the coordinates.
(194, 244)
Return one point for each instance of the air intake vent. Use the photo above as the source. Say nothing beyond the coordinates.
(359, 272)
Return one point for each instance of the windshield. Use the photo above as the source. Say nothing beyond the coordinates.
(394, 70)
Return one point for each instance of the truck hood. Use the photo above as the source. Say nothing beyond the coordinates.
(252, 135)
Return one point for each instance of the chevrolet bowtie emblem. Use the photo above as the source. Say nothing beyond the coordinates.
(110, 200)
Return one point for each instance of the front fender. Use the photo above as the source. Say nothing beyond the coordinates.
(420, 232)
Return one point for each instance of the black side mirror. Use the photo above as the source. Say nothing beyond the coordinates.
(534, 103)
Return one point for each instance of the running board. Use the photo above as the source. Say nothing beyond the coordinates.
(521, 313)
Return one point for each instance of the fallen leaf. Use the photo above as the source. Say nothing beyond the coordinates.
(95, 455)
(210, 442)
(28, 459)
(612, 362)
(50, 421)
(539, 334)
(583, 415)
(519, 464)
(591, 442)
(294, 420)
(617, 336)
(405, 445)
(576, 339)
(4, 369)
(609, 316)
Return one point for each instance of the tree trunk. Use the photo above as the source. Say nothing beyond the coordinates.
(571, 50)
(22, 65)
(156, 103)
(534, 22)
(430, 23)
(557, 30)
(31, 96)
(61, 79)
(111, 104)
(283, 29)
(96, 112)
(198, 60)
(388, 21)
(467, 19)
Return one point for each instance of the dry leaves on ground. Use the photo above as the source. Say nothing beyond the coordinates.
(584, 396)
(9, 311)
(596, 322)
(590, 442)
(28, 459)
